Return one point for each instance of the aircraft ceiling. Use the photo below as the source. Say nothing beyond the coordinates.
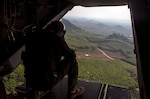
(91, 3)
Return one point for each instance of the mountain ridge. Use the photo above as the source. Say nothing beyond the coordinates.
(102, 27)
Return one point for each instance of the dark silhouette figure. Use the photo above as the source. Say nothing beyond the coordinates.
(47, 59)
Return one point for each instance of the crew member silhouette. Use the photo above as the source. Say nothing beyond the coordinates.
(47, 59)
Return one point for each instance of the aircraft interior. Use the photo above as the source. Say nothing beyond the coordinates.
(17, 17)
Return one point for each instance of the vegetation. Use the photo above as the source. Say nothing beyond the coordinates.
(114, 43)
(15, 78)
(113, 72)
(78, 41)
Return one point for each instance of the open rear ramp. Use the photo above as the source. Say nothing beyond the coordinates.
(93, 90)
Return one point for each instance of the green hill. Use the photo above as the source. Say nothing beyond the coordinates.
(108, 71)
(80, 39)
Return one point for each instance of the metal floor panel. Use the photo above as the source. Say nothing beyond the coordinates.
(93, 90)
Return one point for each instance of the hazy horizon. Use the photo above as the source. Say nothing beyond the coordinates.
(107, 12)
(102, 20)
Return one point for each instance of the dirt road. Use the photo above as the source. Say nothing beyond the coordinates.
(105, 54)
(94, 54)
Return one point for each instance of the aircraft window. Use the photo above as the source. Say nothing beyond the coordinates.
(103, 40)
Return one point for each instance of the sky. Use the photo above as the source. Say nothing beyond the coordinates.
(108, 12)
